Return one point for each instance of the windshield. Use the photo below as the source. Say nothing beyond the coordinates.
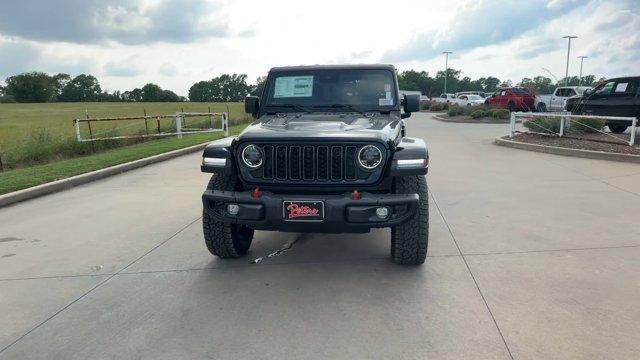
(520, 91)
(474, 97)
(359, 89)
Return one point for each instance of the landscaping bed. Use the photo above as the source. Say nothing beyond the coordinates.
(589, 141)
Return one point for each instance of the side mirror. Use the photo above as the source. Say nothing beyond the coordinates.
(251, 105)
(411, 103)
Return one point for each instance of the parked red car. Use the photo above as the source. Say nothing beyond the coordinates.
(513, 98)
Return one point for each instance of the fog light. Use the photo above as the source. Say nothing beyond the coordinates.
(382, 212)
(233, 209)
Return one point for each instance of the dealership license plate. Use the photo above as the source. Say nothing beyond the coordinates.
(303, 210)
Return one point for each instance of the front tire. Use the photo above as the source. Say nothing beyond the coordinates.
(225, 240)
(617, 128)
(409, 241)
(542, 107)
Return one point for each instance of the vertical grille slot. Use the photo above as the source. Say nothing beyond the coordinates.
(308, 163)
(268, 162)
(350, 163)
(336, 162)
(281, 163)
(323, 163)
(295, 163)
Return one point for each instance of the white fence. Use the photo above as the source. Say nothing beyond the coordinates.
(181, 127)
(565, 123)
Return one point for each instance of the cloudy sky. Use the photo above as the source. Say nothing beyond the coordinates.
(174, 43)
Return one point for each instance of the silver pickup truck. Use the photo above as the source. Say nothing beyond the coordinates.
(556, 101)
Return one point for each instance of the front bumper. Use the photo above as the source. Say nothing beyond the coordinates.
(342, 214)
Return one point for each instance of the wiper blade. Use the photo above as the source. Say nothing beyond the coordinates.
(292, 106)
(342, 106)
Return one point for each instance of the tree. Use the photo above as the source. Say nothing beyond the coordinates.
(259, 87)
(151, 92)
(81, 88)
(222, 88)
(31, 87)
(60, 81)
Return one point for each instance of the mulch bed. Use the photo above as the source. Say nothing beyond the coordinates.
(469, 120)
(595, 142)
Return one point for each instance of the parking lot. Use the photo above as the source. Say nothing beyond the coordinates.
(531, 256)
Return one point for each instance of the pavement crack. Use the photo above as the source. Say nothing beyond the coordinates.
(486, 304)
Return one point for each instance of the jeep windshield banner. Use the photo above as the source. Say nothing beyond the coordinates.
(293, 86)
(364, 89)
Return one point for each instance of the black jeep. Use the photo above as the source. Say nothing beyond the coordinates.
(327, 153)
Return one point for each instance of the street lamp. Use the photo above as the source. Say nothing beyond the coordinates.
(566, 73)
(582, 57)
(446, 68)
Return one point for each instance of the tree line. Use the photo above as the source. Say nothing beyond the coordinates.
(434, 86)
(41, 87)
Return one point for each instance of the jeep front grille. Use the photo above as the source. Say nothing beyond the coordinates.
(317, 163)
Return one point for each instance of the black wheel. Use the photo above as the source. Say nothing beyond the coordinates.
(511, 107)
(225, 240)
(409, 241)
(617, 128)
(541, 107)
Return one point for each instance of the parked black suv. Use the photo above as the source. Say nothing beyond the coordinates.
(614, 97)
(327, 153)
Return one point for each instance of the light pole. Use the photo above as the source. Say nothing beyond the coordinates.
(582, 57)
(446, 68)
(566, 73)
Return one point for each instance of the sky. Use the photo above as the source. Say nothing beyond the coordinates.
(175, 43)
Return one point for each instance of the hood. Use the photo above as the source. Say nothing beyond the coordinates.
(323, 126)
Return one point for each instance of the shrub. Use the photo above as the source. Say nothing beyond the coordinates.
(425, 105)
(455, 110)
(500, 113)
(543, 125)
(7, 99)
(436, 106)
(476, 114)
(586, 125)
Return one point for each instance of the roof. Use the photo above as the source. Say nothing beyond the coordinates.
(335, 67)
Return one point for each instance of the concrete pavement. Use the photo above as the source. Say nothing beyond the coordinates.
(531, 256)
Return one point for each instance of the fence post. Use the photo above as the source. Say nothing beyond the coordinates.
(1, 165)
(225, 124)
(210, 117)
(158, 122)
(77, 125)
(179, 125)
(562, 126)
(512, 125)
(93, 146)
(634, 126)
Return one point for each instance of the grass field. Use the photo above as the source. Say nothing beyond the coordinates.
(18, 121)
(33, 134)
(39, 174)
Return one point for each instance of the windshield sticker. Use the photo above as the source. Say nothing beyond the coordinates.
(387, 87)
(385, 102)
(293, 86)
(622, 87)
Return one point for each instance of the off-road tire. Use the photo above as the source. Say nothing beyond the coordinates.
(617, 128)
(409, 240)
(225, 240)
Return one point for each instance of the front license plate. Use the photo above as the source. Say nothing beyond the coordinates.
(303, 210)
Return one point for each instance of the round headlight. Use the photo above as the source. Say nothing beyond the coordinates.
(252, 156)
(369, 157)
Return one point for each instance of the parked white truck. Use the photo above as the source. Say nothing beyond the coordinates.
(556, 101)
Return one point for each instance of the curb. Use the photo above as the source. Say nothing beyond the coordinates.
(589, 154)
(486, 121)
(64, 184)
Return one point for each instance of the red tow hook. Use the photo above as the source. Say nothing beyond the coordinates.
(355, 195)
(256, 193)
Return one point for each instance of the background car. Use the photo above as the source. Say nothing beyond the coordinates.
(613, 97)
(556, 101)
(445, 98)
(479, 93)
(512, 98)
(469, 100)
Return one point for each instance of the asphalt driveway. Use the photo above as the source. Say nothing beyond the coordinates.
(531, 256)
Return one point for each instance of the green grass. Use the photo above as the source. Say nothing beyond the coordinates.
(18, 179)
(35, 134)
(18, 121)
